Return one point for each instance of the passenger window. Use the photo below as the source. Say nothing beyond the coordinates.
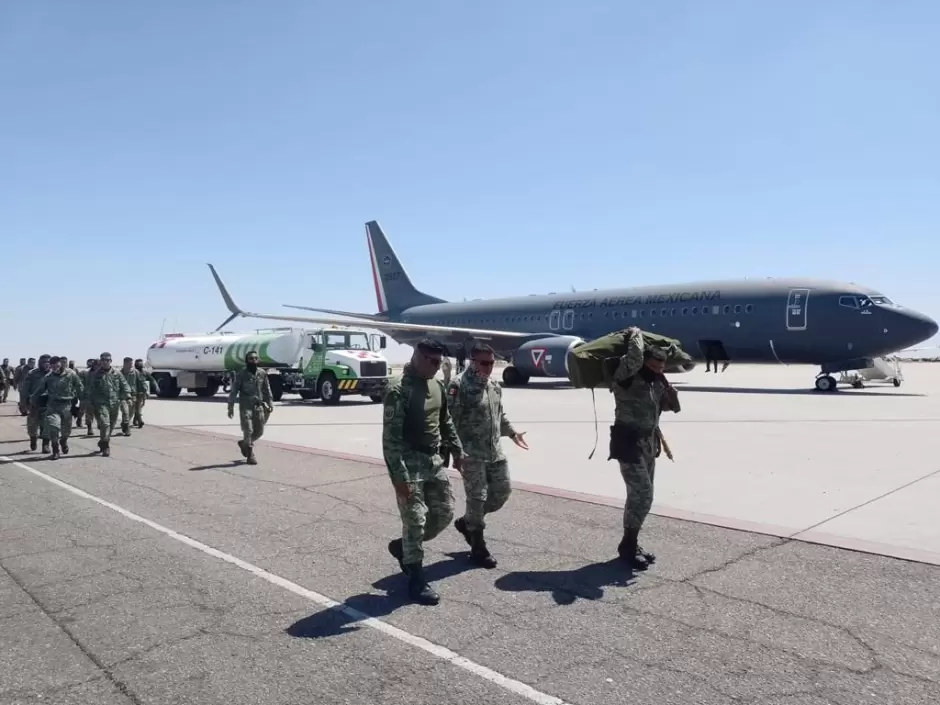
(672, 312)
(748, 308)
(662, 312)
(737, 309)
(652, 311)
(633, 313)
(716, 310)
(695, 310)
(727, 309)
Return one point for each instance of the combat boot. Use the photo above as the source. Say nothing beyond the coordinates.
(479, 553)
(55, 450)
(33, 442)
(650, 558)
(105, 447)
(628, 550)
(244, 448)
(252, 460)
(65, 446)
(45, 445)
(461, 525)
(398, 553)
(418, 588)
(89, 432)
(126, 428)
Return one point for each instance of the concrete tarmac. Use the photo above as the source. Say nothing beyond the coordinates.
(754, 447)
(172, 572)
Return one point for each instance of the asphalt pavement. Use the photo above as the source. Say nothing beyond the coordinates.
(172, 572)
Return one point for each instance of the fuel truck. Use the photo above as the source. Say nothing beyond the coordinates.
(325, 364)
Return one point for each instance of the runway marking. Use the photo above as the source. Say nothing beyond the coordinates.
(441, 652)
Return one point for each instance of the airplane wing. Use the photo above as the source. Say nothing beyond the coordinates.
(408, 333)
(334, 312)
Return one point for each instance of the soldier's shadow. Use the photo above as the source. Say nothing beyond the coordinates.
(566, 586)
(346, 617)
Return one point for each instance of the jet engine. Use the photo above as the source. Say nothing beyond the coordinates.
(546, 357)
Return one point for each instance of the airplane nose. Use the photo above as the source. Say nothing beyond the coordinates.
(921, 326)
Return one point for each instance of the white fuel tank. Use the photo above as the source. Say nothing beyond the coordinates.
(217, 353)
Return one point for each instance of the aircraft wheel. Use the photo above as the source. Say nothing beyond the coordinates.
(512, 377)
(826, 383)
(897, 382)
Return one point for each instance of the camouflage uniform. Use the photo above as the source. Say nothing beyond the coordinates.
(144, 380)
(6, 380)
(476, 405)
(34, 418)
(639, 398)
(446, 369)
(106, 389)
(253, 391)
(85, 413)
(62, 389)
(416, 424)
(127, 405)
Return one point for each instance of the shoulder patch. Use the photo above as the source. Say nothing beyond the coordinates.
(453, 390)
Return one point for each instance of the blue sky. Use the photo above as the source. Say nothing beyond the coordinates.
(506, 147)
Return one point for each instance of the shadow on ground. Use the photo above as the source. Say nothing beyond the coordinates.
(566, 586)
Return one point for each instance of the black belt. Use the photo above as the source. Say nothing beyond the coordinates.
(426, 450)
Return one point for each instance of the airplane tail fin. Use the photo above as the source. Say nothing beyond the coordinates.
(393, 288)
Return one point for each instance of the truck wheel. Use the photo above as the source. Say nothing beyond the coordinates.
(306, 394)
(376, 398)
(277, 387)
(167, 388)
(329, 390)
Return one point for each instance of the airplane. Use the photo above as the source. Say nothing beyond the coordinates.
(836, 325)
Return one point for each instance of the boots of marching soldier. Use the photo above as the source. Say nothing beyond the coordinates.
(64, 443)
(105, 447)
(629, 550)
(418, 588)
(33, 442)
(479, 553)
(55, 450)
(126, 428)
(45, 445)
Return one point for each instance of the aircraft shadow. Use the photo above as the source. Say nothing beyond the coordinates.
(869, 392)
(566, 586)
(334, 621)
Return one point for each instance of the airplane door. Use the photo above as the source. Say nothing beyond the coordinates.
(554, 320)
(796, 309)
(568, 320)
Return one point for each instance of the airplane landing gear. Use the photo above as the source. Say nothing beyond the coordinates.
(512, 377)
(826, 383)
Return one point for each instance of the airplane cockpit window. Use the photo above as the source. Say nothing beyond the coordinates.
(882, 301)
(848, 301)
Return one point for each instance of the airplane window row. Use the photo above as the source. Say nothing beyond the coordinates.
(727, 309)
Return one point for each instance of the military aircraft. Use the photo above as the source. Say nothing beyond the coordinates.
(838, 326)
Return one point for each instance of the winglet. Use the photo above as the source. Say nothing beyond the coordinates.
(229, 301)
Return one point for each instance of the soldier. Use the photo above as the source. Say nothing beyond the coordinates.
(20, 376)
(641, 393)
(145, 382)
(62, 387)
(6, 379)
(85, 411)
(476, 405)
(127, 407)
(255, 404)
(106, 389)
(35, 408)
(416, 424)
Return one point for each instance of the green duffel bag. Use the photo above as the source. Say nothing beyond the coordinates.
(592, 364)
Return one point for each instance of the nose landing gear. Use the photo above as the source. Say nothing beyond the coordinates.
(825, 383)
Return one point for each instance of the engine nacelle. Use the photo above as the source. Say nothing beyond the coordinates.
(677, 369)
(547, 357)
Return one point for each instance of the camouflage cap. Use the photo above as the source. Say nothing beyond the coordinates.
(430, 345)
(655, 353)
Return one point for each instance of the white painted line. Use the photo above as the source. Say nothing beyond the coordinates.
(435, 650)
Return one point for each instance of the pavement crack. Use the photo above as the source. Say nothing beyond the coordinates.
(118, 683)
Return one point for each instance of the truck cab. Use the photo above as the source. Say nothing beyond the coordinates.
(339, 361)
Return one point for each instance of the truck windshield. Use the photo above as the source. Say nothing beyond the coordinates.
(346, 341)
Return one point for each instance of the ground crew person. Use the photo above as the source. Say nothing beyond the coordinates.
(255, 404)
(641, 394)
(144, 381)
(62, 387)
(35, 408)
(6, 379)
(476, 406)
(85, 411)
(127, 406)
(106, 389)
(416, 428)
